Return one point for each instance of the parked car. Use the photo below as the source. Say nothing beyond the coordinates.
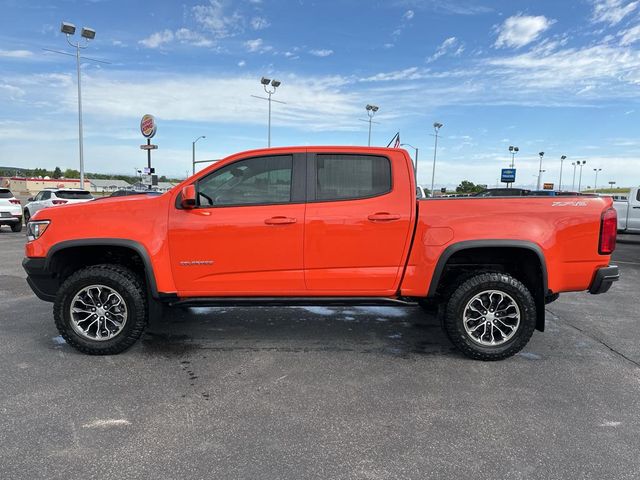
(52, 197)
(312, 226)
(420, 192)
(629, 212)
(10, 210)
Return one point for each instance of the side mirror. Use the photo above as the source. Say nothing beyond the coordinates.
(30, 199)
(188, 196)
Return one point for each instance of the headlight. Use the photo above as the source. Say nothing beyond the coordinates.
(36, 229)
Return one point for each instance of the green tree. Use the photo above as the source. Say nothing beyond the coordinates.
(57, 173)
(71, 173)
(469, 187)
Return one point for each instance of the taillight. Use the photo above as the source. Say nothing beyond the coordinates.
(59, 202)
(15, 201)
(608, 232)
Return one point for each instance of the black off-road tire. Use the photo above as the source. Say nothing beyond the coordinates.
(118, 278)
(17, 227)
(453, 318)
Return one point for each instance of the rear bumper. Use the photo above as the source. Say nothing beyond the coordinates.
(43, 283)
(10, 220)
(603, 279)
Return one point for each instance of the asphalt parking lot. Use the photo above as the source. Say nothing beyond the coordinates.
(292, 393)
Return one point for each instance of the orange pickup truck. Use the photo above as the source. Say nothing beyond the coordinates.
(318, 225)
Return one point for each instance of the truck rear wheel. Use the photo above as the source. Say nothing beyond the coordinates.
(101, 309)
(491, 316)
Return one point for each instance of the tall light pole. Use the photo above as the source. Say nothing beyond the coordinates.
(69, 30)
(595, 185)
(573, 184)
(371, 111)
(436, 128)
(562, 159)
(270, 87)
(193, 153)
(580, 164)
(540, 170)
(513, 150)
(415, 164)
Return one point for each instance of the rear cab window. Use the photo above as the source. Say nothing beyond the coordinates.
(74, 195)
(351, 177)
(5, 193)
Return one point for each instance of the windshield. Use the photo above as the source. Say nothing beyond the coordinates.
(74, 195)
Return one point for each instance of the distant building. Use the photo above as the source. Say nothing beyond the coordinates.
(32, 185)
(163, 186)
(108, 186)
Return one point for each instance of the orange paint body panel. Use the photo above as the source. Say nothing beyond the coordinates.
(386, 246)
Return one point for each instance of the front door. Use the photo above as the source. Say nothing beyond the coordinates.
(357, 224)
(245, 236)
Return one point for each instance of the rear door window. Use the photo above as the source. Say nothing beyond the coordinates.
(74, 195)
(349, 177)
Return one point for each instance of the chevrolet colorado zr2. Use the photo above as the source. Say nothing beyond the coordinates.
(318, 226)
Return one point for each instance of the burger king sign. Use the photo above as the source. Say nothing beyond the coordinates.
(148, 126)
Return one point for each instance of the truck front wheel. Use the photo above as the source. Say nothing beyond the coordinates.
(101, 309)
(491, 316)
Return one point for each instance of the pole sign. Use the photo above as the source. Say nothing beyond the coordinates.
(547, 186)
(148, 126)
(508, 175)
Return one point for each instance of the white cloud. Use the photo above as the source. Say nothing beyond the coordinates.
(254, 45)
(259, 23)
(450, 46)
(16, 53)
(520, 30)
(184, 35)
(242, 63)
(412, 73)
(630, 36)
(409, 14)
(321, 52)
(157, 39)
(214, 18)
(612, 11)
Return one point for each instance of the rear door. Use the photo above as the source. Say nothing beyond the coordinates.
(245, 236)
(357, 223)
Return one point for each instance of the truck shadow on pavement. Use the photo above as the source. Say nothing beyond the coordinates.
(398, 332)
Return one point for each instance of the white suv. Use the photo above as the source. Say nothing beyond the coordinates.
(10, 210)
(51, 197)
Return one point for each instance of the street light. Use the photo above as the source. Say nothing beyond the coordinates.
(274, 84)
(371, 111)
(580, 164)
(415, 165)
(540, 170)
(193, 153)
(562, 159)
(573, 184)
(513, 150)
(595, 185)
(69, 29)
(436, 128)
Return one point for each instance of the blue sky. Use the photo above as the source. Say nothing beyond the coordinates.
(559, 77)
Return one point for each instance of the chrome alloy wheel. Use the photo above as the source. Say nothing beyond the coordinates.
(98, 313)
(491, 318)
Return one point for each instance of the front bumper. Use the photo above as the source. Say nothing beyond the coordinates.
(43, 283)
(603, 279)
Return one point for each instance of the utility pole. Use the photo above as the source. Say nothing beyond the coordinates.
(513, 150)
(274, 84)
(581, 164)
(193, 153)
(540, 170)
(436, 128)
(595, 185)
(371, 111)
(562, 159)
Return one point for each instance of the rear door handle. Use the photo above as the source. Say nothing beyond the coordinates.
(280, 220)
(383, 217)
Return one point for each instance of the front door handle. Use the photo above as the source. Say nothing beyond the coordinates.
(383, 217)
(280, 220)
